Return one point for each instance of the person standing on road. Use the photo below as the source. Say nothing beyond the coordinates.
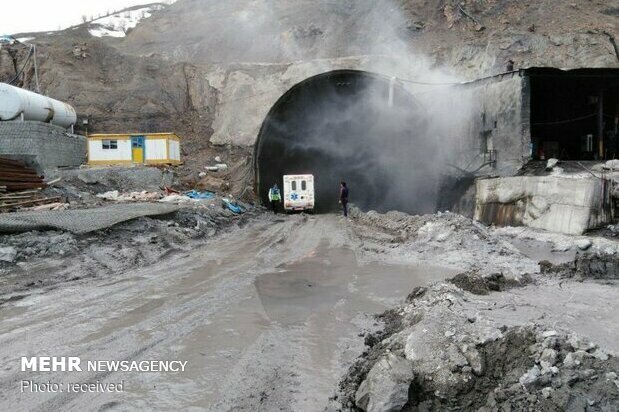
(274, 197)
(344, 197)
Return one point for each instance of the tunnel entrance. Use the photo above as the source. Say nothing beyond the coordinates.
(355, 126)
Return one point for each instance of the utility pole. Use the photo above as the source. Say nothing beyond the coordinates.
(36, 69)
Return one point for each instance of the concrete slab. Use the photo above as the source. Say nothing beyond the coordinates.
(562, 204)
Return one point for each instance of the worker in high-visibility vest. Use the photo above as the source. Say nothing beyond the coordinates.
(274, 197)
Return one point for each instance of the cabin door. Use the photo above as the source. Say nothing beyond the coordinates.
(137, 149)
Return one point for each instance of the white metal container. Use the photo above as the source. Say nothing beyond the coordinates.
(15, 102)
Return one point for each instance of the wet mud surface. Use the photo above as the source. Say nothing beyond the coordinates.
(267, 317)
(292, 313)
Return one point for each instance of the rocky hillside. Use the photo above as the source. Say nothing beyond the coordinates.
(477, 36)
(147, 67)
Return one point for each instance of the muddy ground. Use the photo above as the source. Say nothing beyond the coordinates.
(279, 313)
(49, 259)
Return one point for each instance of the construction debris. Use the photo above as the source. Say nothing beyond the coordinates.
(216, 168)
(170, 195)
(50, 206)
(10, 202)
(551, 163)
(175, 198)
(20, 187)
(194, 194)
(233, 206)
(143, 196)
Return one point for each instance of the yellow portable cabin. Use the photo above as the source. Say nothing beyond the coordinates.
(134, 148)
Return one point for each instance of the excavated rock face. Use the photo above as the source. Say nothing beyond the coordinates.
(476, 35)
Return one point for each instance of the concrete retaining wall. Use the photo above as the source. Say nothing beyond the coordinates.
(497, 119)
(554, 203)
(42, 145)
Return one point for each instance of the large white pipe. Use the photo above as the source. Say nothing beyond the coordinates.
(19, 103)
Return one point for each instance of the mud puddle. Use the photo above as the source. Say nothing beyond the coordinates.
(330, 277)
(324, 300)
(537, 251)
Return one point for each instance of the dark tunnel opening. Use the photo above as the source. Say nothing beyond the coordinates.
(354, 126)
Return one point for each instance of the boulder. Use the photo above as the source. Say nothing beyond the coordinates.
(581, 343)
(574, 359)
(212, 184)
(531, 377)
(386, 386)
(551, 163)
(612, 164)
(549, 355)
(583, 244)
(8, 254)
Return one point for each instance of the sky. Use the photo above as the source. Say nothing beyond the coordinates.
(47, 15)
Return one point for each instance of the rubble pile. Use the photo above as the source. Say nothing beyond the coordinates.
(586, 266)
(30, 200)
(483, 340)
(432, 355)
(142, 196)
(449, 238)
(135, 243)
(561, 242)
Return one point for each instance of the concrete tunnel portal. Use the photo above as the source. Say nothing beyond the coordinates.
(356, 126)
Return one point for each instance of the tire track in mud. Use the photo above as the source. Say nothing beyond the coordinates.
(267, 317)
(235, 259)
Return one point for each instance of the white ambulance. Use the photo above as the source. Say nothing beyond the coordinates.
(299, 193)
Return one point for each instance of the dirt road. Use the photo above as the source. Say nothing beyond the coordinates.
(266, 316)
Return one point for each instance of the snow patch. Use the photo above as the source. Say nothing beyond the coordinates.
(117, 25)
(10, 40)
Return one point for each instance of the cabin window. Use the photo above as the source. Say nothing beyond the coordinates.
(303, 185)
(109, 144)
(293, 185)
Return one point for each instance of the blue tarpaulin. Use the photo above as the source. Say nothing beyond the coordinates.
(194, 194)
(234, 208)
